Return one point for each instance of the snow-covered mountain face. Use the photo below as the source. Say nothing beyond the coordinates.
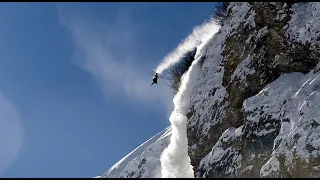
(142, 162)
(255, 108)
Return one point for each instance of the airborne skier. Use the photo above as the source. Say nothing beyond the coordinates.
(155, 79)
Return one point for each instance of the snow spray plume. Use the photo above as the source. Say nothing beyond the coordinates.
(200, 34)
(175, 160)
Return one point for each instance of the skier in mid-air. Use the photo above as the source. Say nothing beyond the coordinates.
(155, 79)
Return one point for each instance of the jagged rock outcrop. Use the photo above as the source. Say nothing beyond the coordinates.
(255, 109)
(263, 40)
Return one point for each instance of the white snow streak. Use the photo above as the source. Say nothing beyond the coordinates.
(199, 35)
(175, 160)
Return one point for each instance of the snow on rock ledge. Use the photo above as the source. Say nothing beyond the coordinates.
(281, 129)
(304, 25)
(297, 147)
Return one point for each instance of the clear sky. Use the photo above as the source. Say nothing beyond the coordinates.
(75, 94)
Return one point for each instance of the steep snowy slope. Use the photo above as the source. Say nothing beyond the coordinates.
(254, 110)
(144, 161)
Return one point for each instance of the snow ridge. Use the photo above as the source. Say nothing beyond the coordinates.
(123, 166)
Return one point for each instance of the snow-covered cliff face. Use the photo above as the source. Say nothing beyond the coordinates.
(255, 109)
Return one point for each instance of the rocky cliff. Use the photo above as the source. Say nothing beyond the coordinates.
(255, 109)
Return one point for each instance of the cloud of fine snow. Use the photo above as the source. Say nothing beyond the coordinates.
(175, 160)
(199, 35)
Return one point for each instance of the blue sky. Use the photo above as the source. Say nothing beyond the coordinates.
(75, 94)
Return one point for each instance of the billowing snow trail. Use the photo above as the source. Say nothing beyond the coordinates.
(175, 160)
(199, 35)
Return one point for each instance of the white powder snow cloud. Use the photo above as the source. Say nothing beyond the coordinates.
(199, 34)
(105, 50)
(175, 160)
(11, 134)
